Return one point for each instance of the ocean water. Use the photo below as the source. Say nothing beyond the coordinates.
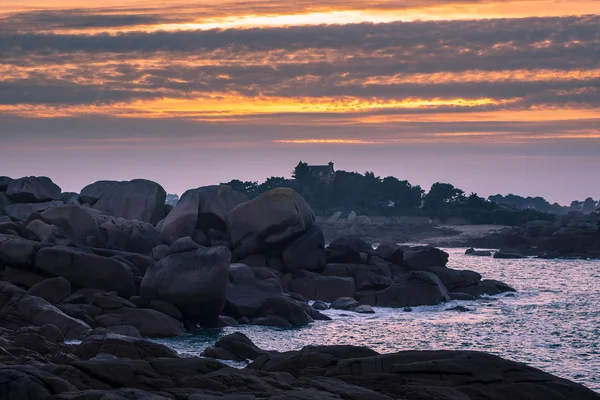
(552, 323)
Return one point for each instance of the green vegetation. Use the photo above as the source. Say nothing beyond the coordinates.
(368, 194)
(540, 204)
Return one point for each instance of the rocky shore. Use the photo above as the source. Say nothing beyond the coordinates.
(36, 364)
(575, 235)
(379, 229)
(114, 264)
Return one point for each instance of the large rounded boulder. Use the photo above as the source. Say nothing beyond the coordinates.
(33, 189)
(307, 252)
(201, 209)
(84, 269)
(274, 219)
(138, 199)
(418, 288)
(75, 220)
(22, 211)
(4, 182)
(194, 281)
(422, 257)
(96, 229)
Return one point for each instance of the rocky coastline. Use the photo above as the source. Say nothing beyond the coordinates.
(572, 236)
(113, 264)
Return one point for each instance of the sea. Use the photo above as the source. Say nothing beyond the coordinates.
(552, 322)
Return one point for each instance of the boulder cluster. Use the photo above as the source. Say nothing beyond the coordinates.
(574, 235)
(35, 364)
(392, 229)
(113, 264)
(115, 257)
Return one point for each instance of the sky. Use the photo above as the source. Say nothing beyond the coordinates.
(493, 96)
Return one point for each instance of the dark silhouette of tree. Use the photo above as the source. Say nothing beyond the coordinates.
(302, 173)
(272, 183)
(441, 194)
(589, 205)
(248, 188)
(522, 203)
(474, 201)
(369, 194)
(401, 194)
(576, 205)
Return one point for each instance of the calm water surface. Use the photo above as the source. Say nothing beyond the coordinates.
(553, 323)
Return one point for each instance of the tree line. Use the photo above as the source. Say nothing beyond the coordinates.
(540, 204)
(368, 194)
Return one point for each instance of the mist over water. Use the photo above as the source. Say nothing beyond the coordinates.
(552, 323)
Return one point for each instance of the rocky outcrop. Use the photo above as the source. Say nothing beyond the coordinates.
(100, 341)
(91, 227)
(149, 323)
(307, 252)
(347, 249)
(574, 235)
(455, 280)
(127, 235)
(274, 219)
(413, 289)
(125, 277)
(32, 189)
(481, 253)
(86, 269)
(234, 347)
(325, 288)
(88, 265)
(132, 369)
(76, 220)
(138, 199)
(194, 281)
(19, 309)
(201, 209)
(487, 287)
(419, 258)
(53, 290)
(22, 211)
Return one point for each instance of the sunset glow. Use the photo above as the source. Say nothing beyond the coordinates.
(272, 75)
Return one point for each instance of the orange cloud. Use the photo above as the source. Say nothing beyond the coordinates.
(222, 106)
(203, 15)
(327, 141)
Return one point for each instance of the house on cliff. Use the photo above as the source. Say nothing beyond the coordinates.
(324, 173)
